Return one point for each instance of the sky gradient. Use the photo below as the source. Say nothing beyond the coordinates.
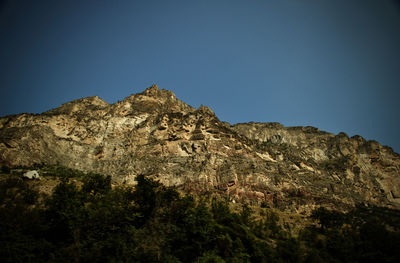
(334, 65)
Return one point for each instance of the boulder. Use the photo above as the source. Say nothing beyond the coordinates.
(31, 175)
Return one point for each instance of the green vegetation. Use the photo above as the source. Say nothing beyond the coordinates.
(152, 223)
(61, 171)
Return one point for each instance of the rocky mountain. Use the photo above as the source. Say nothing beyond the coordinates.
(156, 134)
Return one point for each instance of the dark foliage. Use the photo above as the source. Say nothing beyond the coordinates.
(365, 234)
(153, 223)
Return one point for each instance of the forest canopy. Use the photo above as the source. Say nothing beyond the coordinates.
(94, 222)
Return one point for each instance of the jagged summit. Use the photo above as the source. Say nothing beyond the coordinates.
(154, 91)
(152, 100)
(154, 133)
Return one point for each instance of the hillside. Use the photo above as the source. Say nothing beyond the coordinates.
(153, 133)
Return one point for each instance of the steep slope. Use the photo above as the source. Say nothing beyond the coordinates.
(154, 133)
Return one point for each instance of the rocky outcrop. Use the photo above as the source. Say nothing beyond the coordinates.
(154, 133)
(31, 175)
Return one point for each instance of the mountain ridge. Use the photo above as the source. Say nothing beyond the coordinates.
(154, 133)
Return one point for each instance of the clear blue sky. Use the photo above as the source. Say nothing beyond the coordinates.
(332, 64)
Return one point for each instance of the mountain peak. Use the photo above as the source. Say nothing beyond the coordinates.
(154, 100)
(152, 89)
(155, 92)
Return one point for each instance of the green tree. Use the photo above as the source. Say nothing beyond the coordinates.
(95, 183)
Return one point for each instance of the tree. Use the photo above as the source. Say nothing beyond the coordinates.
(95, 183)
(144, 197)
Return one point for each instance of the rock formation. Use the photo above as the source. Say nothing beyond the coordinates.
(154, 133)
(31, 175)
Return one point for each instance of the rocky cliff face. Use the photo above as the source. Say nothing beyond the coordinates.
(154, 133)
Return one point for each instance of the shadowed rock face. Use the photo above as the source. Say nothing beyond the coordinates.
(154, 133)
